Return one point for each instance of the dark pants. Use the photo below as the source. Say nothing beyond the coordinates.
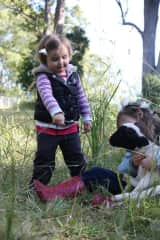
(98, 176)
(44, 162)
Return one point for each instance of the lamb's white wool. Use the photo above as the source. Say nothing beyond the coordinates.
(152, 191)
(134, 127)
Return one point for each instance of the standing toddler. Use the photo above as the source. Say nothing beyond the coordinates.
(60, 102)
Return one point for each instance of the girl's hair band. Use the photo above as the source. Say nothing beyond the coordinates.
(43, 51)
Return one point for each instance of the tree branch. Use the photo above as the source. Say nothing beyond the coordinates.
(135, 26)
(123, 16)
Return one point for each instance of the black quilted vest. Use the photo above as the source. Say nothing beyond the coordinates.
(66, 96)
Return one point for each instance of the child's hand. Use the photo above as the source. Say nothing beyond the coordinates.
(137, 159)
(87, 126)
(147, 162)
(58, 119)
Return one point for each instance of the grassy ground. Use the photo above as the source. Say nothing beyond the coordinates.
(23, 217)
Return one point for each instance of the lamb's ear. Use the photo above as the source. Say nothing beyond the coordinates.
(115, 138)
(142, 141)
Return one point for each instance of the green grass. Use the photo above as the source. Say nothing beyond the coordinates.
(24, 217)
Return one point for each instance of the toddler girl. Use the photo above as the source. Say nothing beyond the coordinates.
(60, 102)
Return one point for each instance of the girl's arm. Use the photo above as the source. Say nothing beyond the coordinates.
(137, 158)
(45, 91)
(126, 166)
(151, 161)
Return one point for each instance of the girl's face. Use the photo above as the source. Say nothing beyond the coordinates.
(125, 119)
(58, 59)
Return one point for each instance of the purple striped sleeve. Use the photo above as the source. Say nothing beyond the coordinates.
(45, 91)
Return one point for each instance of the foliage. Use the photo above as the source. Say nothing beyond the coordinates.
(71, 20)
(80, 45)
(25, 76)
(152, 88)
(30, 13)
(14, 37)
(24, 21)
(100, 92)
(102, 115)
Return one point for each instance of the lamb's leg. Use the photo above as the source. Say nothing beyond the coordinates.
(153, 191)
(144, 183)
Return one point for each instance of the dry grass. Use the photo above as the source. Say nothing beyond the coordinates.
(23, 217)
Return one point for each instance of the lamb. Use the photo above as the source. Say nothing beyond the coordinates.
(129, 136)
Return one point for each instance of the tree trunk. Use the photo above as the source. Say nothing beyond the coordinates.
(59, 17)
(149, 38)
(47, 17)
(151, 8)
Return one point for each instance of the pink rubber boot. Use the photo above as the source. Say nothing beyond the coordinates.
(65, 189)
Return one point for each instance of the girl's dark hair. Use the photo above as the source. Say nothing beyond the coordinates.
(52, 42)
(144, 117)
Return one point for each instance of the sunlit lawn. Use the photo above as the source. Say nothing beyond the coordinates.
(23, 217)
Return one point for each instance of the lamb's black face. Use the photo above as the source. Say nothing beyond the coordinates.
(128, 138)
